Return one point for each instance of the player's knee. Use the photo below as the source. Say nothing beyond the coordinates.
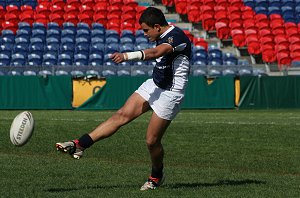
(152, 143)
(121, 117)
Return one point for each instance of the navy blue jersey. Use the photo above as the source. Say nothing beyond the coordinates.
(172, 70)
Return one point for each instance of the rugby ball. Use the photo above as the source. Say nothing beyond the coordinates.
(21, 128)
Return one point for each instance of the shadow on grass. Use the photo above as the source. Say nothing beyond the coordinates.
(55, 190)
(170, 186)
(216, 184)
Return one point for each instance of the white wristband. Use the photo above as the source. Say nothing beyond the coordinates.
(137, 55)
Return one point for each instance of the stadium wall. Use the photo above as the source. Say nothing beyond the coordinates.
(59, 92)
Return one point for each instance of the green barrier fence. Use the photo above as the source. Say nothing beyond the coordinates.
(33, 92)
(270, 92)
(55, 92)
(199, 94)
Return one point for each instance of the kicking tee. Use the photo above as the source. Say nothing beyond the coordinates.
(171, 71)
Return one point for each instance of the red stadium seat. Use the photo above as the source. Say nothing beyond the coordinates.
(26, 9)
(210, 3)
(71, 18)
(131, 3)
(181, 6)
(41, 9)
(168, 3)
(129, 10)
(41, 18)
(194, 14)
(238, 37)
(89, 3)
(100, 18)
(114, 18)
(7, 25)
(114, 10)
(26, 17)
(197, 3)
(85, 9)
(139, 11)
(44, 2)
(55, 9)
(11, 18)
(236, 3)
(223, 30)
(85, 19)
(283, 59)
(128, 18)
(118, 3)
(253, 45)
(59, 3)
(198, 41)
(208, 22)
(268, 54)
(127, 26)
(13, 9)
(113, 26)
(223, 3)
(247, 12)
(100, 8)
(71, 9)
(75, 3)
(53, 17)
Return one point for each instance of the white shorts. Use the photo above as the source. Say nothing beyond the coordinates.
(166, 104)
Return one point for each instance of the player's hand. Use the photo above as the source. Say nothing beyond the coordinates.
(117, 57)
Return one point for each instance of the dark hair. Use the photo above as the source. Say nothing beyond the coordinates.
(152, 16)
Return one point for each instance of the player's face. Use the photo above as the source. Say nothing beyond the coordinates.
(152, 33)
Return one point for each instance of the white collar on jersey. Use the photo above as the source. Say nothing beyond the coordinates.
(166, 32)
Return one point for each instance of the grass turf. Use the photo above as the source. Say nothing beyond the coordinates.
(208, 153)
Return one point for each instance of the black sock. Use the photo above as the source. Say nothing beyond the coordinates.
(85, 141)
(157, 172)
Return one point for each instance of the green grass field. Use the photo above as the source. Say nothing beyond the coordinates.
(209, 153)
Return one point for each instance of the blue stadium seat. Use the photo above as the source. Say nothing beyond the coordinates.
(14, 73)
(29, 73)
(68, 33)
(126, 40)
(126, 48)
(110, 40)
(20, 49)
(245, 71)
(98, 48)
(38, 33)
(109, 70)
(198, 70)
(140, 40)
(67, 41)
(95, 40)
(4, 60)
(200, 63)
(98, 33)
(53, 26)
(38, 26)
(259, 72)
(77, 73)
(93, 73)
(229, 72)
(200, 56)
(214, 72)
(111, 48)
(139, 33)
(274, 10)
(65, 60)
(95, 60)
(61, 73)
(49, 59)
(9, 35)
(250, 3)
(124, 71)
(34, 60)
(290, 3)
(127, 34)
(230, 57)
(262, 3)
(45, 73)
(98, 26)
(69, 26)
(53, 33)
(80, 60)
(83, 26)
(22, 33)
(83, 33)
(18, 60)
(6, 49)
(141, 46)
(276, 3)
(112, 33)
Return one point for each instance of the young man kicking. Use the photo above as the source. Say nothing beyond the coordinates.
(163, 93)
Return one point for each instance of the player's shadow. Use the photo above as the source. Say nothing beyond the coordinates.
(218, 183)
(55, 190)
(168, 186)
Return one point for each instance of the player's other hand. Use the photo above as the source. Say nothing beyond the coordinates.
(117, 57)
